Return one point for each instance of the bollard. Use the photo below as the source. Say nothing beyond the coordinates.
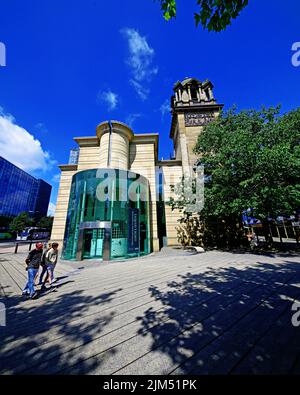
(16, 248)
(30, 244)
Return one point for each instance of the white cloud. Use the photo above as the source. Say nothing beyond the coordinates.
(132, 118)
(20, 147)
(140, 60)
(56, 177)
(165, 108)
(110, 98)
(140, 89)
(51, 209)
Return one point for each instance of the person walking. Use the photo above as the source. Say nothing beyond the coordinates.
(44, 266)
(33, 262)
(51, 261)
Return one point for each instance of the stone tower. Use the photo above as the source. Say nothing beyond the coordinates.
(193, 106)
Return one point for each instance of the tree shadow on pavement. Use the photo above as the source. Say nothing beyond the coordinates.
(224, 321)
(38, 333)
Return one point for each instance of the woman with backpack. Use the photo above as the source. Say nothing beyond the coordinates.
(51, 260)
(43, 265)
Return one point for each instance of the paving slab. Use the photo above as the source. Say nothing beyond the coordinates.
(169, 313)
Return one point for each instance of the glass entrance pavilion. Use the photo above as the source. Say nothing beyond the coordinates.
(108, 216)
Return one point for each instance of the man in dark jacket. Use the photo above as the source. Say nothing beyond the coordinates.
(33, 262)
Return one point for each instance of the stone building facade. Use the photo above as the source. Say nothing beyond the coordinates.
(119, 162)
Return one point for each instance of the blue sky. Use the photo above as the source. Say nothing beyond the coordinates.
(71, 64)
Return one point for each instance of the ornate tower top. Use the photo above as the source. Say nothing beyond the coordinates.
(193, 107)
(194, 99)
(192, 92)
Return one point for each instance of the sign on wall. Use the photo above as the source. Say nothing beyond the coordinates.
(196, 119)
(133, 230)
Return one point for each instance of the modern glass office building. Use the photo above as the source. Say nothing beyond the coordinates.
(20, 192)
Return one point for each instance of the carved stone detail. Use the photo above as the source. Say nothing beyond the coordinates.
(198, 119)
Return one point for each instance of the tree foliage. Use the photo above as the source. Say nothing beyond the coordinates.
(20, 222)
(23, 220)
(214, 15)
(45, 222)
(251, 160)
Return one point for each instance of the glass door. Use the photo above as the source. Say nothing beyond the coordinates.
(93, 243)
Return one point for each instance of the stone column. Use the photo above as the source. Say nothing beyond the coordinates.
(179, 94)
(202, 96)
(189, 92)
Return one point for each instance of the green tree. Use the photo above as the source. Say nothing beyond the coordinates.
(214, 15)
(45, 222)
(20, 222)
(251, 160)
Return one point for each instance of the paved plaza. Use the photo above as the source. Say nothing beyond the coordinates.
(168, 313)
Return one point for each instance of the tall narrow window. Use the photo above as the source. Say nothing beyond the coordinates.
(194, 93)
(207, 94)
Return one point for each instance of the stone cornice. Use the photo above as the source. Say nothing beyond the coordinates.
(87, 141)
(68, 167)
(145, 138)
(198, 107)
(170, 162)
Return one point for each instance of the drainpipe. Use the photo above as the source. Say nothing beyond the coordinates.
(109, 144)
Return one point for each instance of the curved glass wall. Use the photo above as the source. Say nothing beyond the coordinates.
(108, 215)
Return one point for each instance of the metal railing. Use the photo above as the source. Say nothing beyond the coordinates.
(30, 242)
(280, 231)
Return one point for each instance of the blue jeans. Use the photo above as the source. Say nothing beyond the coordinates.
(44, 271)
(30, 283)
